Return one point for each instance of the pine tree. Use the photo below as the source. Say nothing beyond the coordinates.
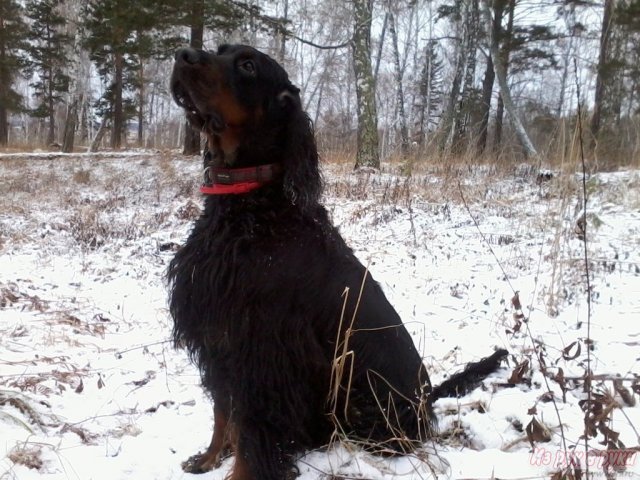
(120, 35)
(12, 59)
(47, 50)
(109, 26)
(218, 16)
(195, 21)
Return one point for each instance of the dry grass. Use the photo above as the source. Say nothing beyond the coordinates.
(96, 199)
(27, 455)
(99, 202)
(82, 176)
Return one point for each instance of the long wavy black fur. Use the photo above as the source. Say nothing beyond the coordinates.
(262, 295)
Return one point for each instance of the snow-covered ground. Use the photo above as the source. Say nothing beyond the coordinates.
(90, 387)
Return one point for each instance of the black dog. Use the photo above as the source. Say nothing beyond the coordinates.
(294, 339)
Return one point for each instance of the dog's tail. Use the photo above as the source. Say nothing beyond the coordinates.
(463, 382)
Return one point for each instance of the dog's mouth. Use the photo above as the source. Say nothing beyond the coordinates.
(205, 120)
(183, 99)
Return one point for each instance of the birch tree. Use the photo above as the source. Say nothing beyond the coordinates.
(429, 98)
(467, 98)
(398, 70)
(454, 12)
(489, 78)
(367, 142)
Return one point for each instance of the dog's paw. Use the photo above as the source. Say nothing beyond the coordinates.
(199, 463)
(293, 473)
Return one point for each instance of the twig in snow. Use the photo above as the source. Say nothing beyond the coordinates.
(587, 377)
(526, 322)
(138, 347)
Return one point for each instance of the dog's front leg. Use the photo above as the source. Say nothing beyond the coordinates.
(259, 455)
(219, 447)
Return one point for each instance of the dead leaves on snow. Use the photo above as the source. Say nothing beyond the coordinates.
(537, 432)
(598, 402)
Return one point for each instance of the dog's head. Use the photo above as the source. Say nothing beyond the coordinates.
(244, 103)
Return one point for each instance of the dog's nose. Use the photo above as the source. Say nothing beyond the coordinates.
(188, 55)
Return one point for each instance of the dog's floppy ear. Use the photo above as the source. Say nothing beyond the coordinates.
(302, 182)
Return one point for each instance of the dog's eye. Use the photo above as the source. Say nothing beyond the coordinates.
(248, 67)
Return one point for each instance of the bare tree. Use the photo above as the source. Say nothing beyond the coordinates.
(489, 79)
(402, 116)
(429, 95)
(464, 106)
(504, 52)
(505, 93)
(448, 118)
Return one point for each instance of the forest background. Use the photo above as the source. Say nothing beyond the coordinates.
(492, 80)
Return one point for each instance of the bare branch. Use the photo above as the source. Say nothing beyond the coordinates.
(279, 24)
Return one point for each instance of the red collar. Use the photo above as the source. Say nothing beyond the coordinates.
(225, 181)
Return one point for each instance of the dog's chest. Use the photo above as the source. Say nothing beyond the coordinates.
(224, 263)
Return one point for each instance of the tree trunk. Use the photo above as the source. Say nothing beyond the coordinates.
(605, 38)
(487, 92)
(51, 133)
(141, 105)
(402, 117)
(505, 93)
(84, 124)
(497, 135)
(503, 58)
(4, 90)
(448, 116)
(191, 136)
(118, 111)
(462, 112)
(426, 88)
(70, 126)
(367, 144)
(95, 144)
(4, 127)
(566, 64)
(488, 81)
(282, 34)
(383, 35)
